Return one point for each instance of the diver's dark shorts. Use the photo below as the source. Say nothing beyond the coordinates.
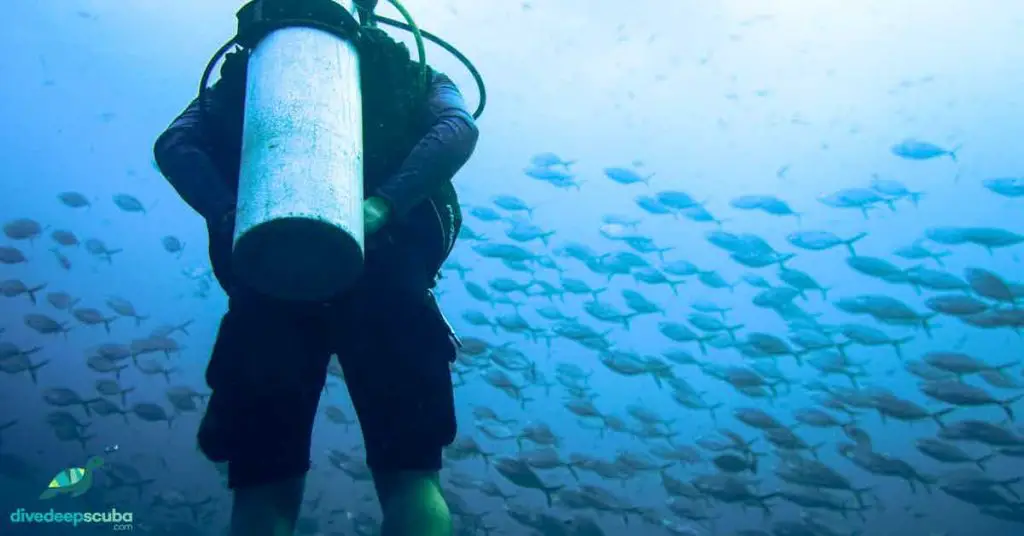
(269, 366)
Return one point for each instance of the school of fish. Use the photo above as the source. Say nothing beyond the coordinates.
(765, 410)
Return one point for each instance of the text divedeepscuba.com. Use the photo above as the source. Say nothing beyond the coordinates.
(112, 516)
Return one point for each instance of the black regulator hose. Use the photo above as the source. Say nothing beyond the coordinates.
(481, 89)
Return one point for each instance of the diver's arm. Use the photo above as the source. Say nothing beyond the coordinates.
(445, 148)
(182, 153)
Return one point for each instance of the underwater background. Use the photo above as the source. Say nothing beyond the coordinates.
(723, 263)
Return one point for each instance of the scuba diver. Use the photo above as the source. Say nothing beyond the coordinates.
(270, 359)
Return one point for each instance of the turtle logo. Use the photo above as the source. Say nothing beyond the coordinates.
(73, 481)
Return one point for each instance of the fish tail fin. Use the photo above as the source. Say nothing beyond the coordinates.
(938, 415)
(523, 401)
(626, 319)
(858, 494)
(853, 240)
(549, 491)
(952, 152)
(897, 346)
(712, 410)
(1008, 405)
(33, 371)
(915, 198)
(85, 406)
(927, 326)
(32, 292)
(980, 462)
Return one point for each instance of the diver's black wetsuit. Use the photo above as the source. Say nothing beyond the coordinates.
(270, 359)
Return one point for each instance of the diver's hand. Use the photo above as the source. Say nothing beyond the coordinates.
(376, 213)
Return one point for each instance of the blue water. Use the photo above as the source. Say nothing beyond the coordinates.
(792, 99)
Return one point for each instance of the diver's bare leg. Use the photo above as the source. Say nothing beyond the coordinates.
(412, 504)
(267, 510)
